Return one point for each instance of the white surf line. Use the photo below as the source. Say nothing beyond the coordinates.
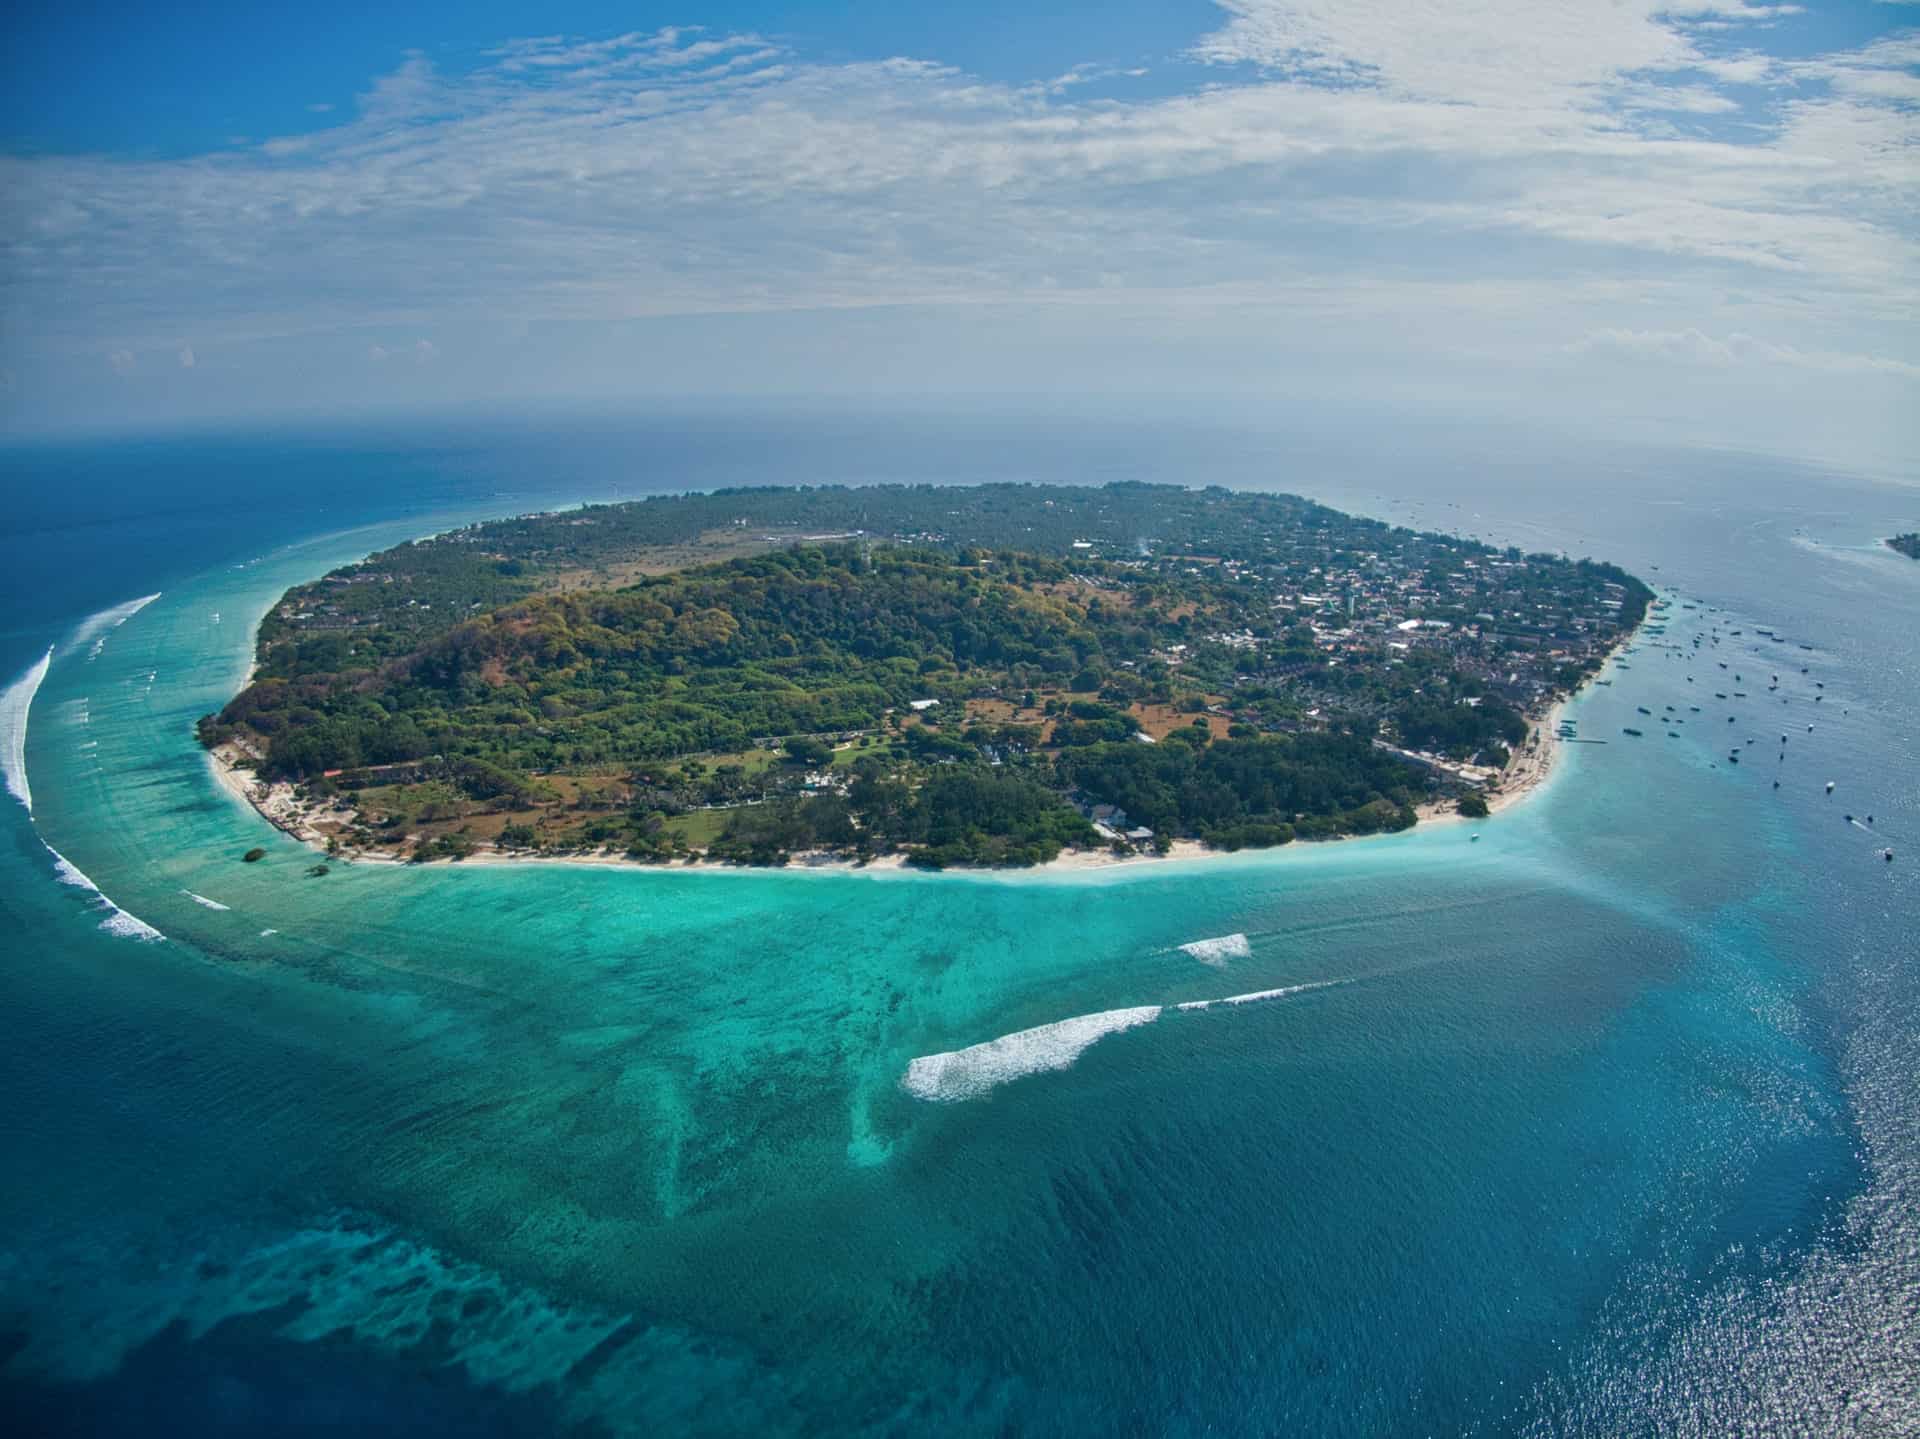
(1218, 951)
(15, 703)
(118, 921)
(98, 627)
(1259, 996)
(968, 1073)
(202, 899)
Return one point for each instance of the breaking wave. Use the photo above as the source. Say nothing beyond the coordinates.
(117, 921)
(96, 628)
(202, 899)
(15, 701)
(970, 1072)
(1218, 951)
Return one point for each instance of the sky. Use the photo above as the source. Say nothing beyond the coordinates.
(1696, 222)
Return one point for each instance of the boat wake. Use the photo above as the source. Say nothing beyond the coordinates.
(117, 921)
(1218, 951)
(96, 628)
(15, 702)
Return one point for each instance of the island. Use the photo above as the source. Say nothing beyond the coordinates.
(1908, 544)
(981, 676)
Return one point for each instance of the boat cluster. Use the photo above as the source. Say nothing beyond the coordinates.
(1706, 644)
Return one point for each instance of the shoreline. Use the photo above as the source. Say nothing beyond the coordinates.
(1526, 773)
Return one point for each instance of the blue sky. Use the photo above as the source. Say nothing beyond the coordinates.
(1695, 220)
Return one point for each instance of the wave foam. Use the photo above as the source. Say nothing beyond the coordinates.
(202, 899)
(118, 921)
(98, 627)
(968, 1073)
(1218, 951)
(1259, 996)
(128, 926)
(15, 703)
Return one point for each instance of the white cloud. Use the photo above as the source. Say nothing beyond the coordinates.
(1477, 173)
(186, 357)
(1737, 349)
(1488, 53)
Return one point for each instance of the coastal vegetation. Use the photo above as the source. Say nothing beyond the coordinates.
(978, 676)
(1907, 544)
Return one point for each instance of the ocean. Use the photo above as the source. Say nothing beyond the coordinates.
(1603, 1123)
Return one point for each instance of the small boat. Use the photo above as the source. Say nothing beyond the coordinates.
(1829, 786)
(1473, 839)
(1734, 757)
(1634, 732)
(1643, 709)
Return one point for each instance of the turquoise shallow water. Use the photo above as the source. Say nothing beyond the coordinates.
(1600, 1124)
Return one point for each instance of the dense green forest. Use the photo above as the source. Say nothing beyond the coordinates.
(962, 675)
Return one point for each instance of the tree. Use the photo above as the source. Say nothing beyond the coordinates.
(804, 749)
(1473, 805)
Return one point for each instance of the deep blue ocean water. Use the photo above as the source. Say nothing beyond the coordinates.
(1603, 1124)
